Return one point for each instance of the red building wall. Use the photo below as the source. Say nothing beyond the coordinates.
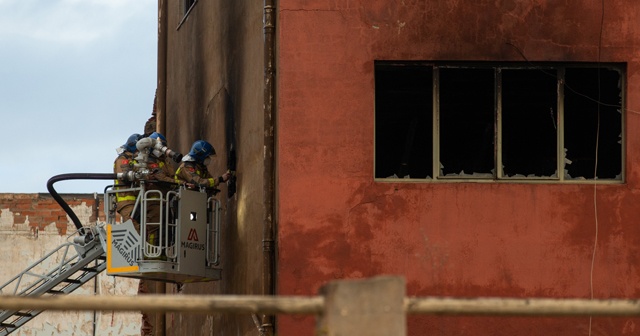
(448, 239)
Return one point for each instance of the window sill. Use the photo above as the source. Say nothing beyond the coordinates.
(501, 181)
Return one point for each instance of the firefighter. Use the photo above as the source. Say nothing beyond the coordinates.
(156, 171)
(160, 173)
(193, 171)
(160, 166)
(123, 164)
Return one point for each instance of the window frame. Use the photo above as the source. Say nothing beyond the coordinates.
(498, 176)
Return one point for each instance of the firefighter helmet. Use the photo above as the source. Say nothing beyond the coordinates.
(201, 150)
(130, 145)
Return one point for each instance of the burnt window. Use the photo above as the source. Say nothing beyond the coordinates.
(549, 122)
(467, 122)
(529, 134)
(403, 125)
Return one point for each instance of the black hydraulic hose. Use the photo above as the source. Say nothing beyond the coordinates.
(74, 176)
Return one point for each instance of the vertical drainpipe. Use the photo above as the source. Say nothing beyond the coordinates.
(268, 233)
(161, 122)
(95, 217)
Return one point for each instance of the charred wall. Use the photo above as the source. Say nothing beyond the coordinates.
(214, 92)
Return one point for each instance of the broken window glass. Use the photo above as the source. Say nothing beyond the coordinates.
(592, 100)
(403, 121)
(529, 122)
(467, 120)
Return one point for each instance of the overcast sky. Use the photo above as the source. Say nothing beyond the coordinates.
(77, 77)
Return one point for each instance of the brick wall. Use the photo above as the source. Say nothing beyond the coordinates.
(41, 212)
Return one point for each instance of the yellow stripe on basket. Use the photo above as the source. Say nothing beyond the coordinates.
(111, 269)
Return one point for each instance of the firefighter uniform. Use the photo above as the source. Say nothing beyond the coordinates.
(191, 172)
(160, 179)
(161, 171)
(124, 200)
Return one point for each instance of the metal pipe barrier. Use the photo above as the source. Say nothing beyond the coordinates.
(313, 305)
(376, 306)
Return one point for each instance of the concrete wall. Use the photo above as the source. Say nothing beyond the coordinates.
(214, 92)
(33, 225)
(447, 239)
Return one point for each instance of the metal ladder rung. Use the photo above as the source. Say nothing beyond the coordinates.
(62, 279)
(55, 291)
(73, 281)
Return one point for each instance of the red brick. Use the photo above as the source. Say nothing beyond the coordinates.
(27, 212)
(7, 205)
(23, 206)
(19, 219)
(35, 219)
(49, 219)
(52, 206)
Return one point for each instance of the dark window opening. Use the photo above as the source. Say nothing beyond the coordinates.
(499, 121)
(593, 117)
(467, 115)
(529, 122)
(403, 121)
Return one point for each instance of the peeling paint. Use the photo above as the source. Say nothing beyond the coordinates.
(400, 26)
(24, 242)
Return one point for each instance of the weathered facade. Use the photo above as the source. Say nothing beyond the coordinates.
(340, 212)
(210, 87)
(33, 225)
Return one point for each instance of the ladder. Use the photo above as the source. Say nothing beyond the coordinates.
(60, 272)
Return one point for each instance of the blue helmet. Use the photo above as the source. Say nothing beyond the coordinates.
(156, 135)
(200, 150)
(130, 145)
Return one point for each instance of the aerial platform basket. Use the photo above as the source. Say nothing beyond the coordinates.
(186, 242)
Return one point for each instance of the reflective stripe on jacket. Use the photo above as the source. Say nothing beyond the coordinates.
(123, 164)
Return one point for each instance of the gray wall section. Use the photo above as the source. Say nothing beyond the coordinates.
(215, 92)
